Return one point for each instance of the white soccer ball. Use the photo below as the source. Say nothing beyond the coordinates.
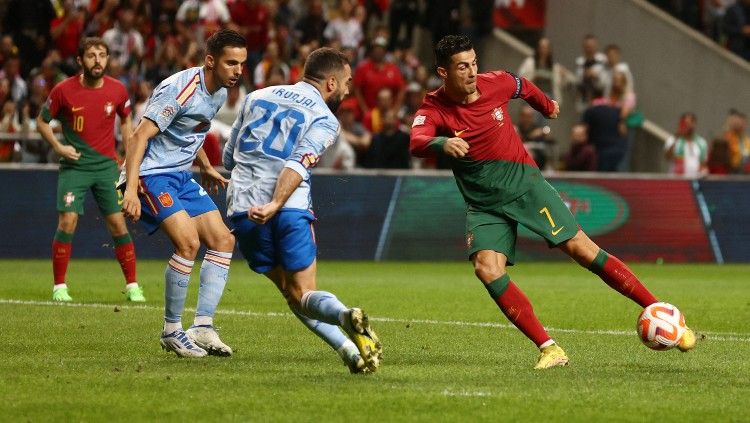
(660, 326)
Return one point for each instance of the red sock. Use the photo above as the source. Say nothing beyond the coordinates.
(61, 250)
(125, 252)
(620, 278)
(517, 309)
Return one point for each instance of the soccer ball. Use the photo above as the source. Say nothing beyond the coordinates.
(660, 326)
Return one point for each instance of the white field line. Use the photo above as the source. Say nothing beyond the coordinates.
(713, 336)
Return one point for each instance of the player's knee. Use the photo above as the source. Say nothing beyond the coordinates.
(188, 247)
(487, 269)
(67, 222)
(581, 248)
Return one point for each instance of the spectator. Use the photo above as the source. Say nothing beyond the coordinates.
(402, 14)
(443, 18)
(11, 124)
(589, 67)
(345, 28)
(535, 136)
(374, 74)
(621, 97)
(166, 64)
(543, 71)
(145, 88)
(104, 18)
(67, 29)
(28, 22)
(124, 41)
(17, 85)
(582, 155)
(719, 160)
(341, 154)
(413, 99)
(231, 108)
(614, 65)
(714, 17)
(737, 28)
(310, 28)
(686, 150)
(252, 19)
(524, 19)
(738, 142)
(271, 61)
(374, 118)
(158, 40)
(296, 70)
(352, 132)
(603, 121)
(202, 17)
(390, 147)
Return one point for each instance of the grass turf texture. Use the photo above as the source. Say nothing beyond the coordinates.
(89, 362)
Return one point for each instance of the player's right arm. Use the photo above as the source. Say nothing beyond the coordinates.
(49, 111)
(424, 141)
(146, 129)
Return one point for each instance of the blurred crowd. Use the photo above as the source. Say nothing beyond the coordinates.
(726, 21)
(152, 39)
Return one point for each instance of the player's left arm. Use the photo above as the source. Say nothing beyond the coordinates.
(525, 89)
(298, 167)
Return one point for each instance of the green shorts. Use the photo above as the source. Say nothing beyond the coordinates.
(72, 185)
(540, 209)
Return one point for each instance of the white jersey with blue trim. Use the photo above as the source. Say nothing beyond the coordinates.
(182, 108)
(277, 127)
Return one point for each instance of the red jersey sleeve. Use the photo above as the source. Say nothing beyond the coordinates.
(424, 141)
(123, 106)
(52, 106)
(515, 86)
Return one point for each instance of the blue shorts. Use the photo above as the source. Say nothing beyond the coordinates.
(287, 240)
(164, 194)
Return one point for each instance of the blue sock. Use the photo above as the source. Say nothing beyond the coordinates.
(176, 279)
(214, 273)
(329, 333)
(323, 306)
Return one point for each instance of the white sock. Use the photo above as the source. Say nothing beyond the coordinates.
(170, 327)
(131, 285)
(59, 286)
(203, 321)
(547, 344)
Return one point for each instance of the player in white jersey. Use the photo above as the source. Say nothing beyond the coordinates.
(276, 140)
(161, 192)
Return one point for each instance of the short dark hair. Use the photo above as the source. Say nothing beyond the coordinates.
(691, 115)
(614, 47)
(88, 42)
(450, 45)
(224, 38)
(324, 61)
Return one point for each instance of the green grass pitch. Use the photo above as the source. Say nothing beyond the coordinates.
(450, 355)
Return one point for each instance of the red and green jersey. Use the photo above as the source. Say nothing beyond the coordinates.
(87, 116)
(497, 168)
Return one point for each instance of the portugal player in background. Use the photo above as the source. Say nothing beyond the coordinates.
(467, 120)
(86, 106)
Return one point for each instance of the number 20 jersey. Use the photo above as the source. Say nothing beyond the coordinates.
(277, 127)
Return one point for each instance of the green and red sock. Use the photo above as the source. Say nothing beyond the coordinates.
(62, 245)
(517, 309)
(125, 252)
(620, 278)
